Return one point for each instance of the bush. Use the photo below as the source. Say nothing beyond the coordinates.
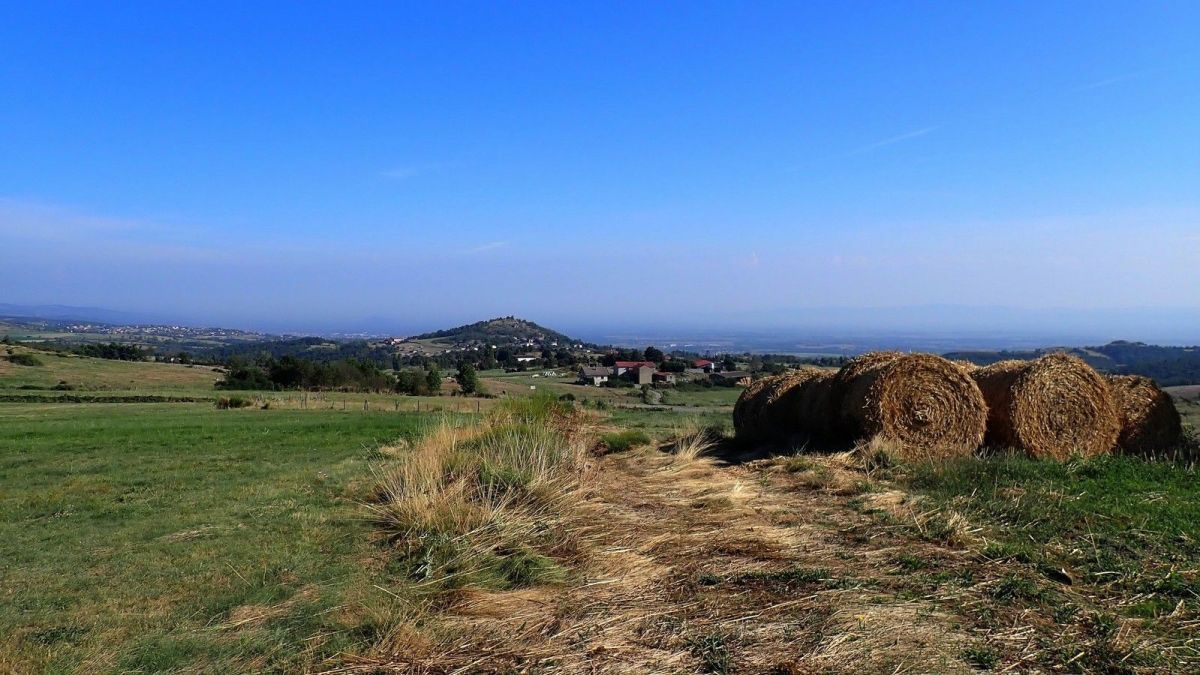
(25, 360)
(233, 402)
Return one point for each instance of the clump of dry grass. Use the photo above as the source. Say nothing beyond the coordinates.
(476, 506)
(1052, 408)
(929, 407)
(1150, 422)
(691, 444)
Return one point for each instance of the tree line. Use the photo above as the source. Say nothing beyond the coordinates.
(292, 373)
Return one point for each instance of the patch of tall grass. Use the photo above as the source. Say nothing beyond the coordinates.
(620, 441)
(482, 505)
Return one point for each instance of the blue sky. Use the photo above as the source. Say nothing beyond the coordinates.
(660, 164)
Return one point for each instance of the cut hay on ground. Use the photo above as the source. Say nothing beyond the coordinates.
(1149, 421)
(1052, 408)
(928, 406)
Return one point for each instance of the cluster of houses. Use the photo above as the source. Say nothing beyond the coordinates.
(647, 372)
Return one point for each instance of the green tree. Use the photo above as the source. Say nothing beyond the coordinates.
(674, 366)
(467, 378)
(433, 379)
(654, 354)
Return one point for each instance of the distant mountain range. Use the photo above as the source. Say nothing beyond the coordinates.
(1169, 366)
(69, 313)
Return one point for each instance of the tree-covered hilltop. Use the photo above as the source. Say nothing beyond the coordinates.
(502, 330)
(1169, 366)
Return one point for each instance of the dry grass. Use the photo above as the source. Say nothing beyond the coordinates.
(474, 506)
(691, 444)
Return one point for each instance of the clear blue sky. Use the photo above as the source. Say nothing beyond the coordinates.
(320, 165)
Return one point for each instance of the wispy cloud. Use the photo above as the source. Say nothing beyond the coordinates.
(916, 133)
(484, 248)
(1109, 81)
(401, 172)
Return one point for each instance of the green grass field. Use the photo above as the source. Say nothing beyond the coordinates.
(1127, 526)
(162, 537)
(89, 374)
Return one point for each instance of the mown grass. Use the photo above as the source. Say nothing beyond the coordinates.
(89, 374)
(1127, 526)
(168, 537)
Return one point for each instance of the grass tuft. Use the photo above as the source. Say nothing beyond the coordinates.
(476, 506)
(692, 444)
(620, 441)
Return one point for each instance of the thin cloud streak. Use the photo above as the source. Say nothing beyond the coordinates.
(490, 246)
(895, 139)
(401, 173)
(406, 171)
(1108, 82)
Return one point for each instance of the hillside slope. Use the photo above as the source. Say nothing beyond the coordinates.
(80, 373)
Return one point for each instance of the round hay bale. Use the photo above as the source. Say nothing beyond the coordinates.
(965, 365)
(778, 401)
(812, 404)
(1051, 408)
(1149, 420)
(746, 411)
(926, 405)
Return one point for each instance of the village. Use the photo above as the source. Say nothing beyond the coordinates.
(668, 374)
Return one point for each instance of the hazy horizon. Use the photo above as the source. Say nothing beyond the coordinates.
(980, 168)
(932, 328)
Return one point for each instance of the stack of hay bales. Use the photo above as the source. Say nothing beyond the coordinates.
(1051, 407)
(925, 405)
(1149, 421)
(928, 407)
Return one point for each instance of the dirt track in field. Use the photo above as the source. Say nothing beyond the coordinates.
(700, 567)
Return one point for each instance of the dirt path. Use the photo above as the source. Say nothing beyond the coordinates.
(698, 567)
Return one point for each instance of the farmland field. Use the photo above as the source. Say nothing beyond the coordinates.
(157, 537)
(90, 374)
(138, 536)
